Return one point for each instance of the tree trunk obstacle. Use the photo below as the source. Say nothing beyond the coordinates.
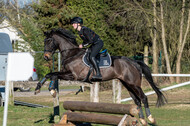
(84, 114)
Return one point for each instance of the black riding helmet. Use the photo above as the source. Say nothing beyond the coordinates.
(77, 20)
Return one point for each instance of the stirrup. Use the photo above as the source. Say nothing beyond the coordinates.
(87, 80)
(97, 77)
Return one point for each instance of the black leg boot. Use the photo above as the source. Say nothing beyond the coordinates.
(98, 75)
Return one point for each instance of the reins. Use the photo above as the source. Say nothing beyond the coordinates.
(52, 49)
(67, 49)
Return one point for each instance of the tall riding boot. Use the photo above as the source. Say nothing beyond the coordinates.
(98, 75)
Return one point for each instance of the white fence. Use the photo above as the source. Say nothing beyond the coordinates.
(171, 75)
(116, 92)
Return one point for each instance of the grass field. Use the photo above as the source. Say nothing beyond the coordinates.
(175, 113)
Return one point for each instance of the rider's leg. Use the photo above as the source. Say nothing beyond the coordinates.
(95, 50)
(97, 69)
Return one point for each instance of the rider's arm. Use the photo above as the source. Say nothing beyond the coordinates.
(89, 37)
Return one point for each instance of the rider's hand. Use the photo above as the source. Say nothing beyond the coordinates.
(80, 46)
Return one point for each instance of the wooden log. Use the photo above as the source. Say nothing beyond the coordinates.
(99, 118)
(64, 122)
(101, 107)
(63, 125)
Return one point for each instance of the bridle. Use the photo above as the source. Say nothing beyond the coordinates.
(54, 46)
(52, 49)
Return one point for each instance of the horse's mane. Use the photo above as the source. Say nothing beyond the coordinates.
(64, 33)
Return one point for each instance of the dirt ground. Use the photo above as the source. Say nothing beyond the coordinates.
(178, 95)
(175, 96)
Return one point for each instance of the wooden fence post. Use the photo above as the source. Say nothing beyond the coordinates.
(116, 91)
(113, 90)
(119, 87)
(94, 91)
(11, 93)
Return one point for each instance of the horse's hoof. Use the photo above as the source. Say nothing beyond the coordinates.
(143, 121)
(36, 92)
(151, 119)
(53, 93)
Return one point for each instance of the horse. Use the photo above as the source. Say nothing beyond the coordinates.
(128, 71)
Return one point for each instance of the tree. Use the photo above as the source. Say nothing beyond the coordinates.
(126, 27)
(164, 42)
(154, 40)
(182, 40)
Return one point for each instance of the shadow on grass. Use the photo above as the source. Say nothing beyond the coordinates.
(39, 121)
(152, 124)
(51, 119)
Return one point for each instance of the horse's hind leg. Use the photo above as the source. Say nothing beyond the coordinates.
(144, 100)
(137, 101)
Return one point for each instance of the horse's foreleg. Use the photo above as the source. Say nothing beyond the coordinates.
(39, 85)
(54, 80)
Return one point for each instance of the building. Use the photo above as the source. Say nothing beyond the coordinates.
(19, 45)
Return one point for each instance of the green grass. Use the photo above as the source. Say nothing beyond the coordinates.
(172, 116)
(175, 113)
(26, 116)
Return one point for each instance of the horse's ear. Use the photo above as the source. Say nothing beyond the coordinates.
(47, 33)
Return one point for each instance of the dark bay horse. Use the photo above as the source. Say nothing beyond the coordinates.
(128, 71)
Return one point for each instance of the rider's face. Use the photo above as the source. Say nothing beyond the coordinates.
(74, 25)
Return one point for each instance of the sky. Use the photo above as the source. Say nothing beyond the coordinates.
(22, 2)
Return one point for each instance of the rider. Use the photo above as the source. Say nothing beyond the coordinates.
(89, 37)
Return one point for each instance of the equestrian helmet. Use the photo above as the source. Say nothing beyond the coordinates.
(77, 20)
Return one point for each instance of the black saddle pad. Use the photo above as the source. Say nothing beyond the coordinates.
(103, 61)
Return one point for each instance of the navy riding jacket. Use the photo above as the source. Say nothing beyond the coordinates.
(88, 36)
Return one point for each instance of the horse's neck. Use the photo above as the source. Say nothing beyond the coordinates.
(71, 53)
(67, 49)
(63, 43)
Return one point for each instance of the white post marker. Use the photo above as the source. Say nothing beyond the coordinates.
(19, 68)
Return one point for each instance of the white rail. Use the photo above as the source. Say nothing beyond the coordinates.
(171, 75)
(167, 88)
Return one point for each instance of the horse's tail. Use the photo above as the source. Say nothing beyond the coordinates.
(147, 73)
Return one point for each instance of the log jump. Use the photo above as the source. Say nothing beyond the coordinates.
(101, 107)
(90, 112)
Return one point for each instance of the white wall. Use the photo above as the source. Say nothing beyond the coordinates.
(11, 31)
(6, 27)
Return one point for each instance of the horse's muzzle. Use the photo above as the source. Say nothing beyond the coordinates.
(47, 56)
